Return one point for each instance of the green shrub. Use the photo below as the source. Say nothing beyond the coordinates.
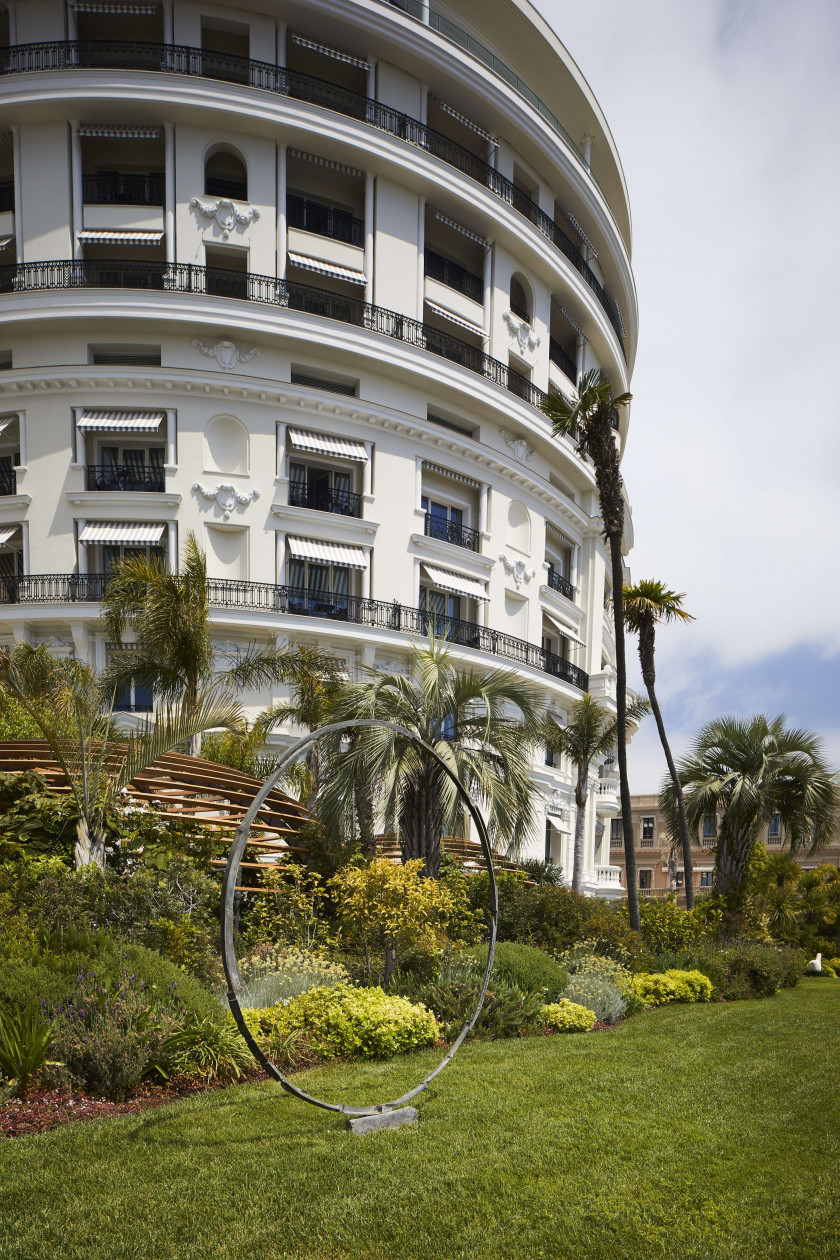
(567, 1017)
(205, 1050)
(508, 1011)
(828, 970)
(666, 927)
(342, 1021)
(672, 986)
(272, 973)
(525, 966)
(25, 1041)
(741, 970)
(600, 983)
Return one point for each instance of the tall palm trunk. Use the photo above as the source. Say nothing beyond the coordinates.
(90, 845)
(731, 862)
(192, 745)
(421, 823)
(647, 647)
(363, 801)
(581, 795)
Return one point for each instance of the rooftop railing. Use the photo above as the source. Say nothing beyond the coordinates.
(182, 59)
(67, 588)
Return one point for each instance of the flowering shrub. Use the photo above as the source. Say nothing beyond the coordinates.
(655, 989)
(342, 1021)
(603, 985)
(568, 1017)
(271, 973)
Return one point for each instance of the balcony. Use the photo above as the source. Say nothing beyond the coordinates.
(68, 588)
(558, 356)
(324, 220)
(116, 189)
(454, 276)
(558, 583)
(325, 499)
(451, 532)
(125, 477)
(8, 481)
(184, 60)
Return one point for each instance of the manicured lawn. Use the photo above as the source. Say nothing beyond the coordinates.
(688, 1132)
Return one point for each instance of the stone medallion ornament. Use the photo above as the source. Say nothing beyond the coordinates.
(522, 452)
(361, 1119)
(517, 569)
(227, 354)
(527, 340)
(227, 496)
(227, 215)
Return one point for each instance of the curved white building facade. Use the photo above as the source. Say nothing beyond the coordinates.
(295, 276)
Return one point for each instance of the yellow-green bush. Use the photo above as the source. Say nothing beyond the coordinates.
(342, 1021)
(657, 988)
(568, 1017)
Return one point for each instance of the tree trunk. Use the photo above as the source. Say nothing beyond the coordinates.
(421, 823)
(90, 845)
(363, 801)
(647, 644)
(731, 862)
(617, 559)
(192, 744)
(581, 793)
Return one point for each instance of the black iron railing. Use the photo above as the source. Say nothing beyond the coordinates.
(451, 532)
(8, 481)
(454, 275)
(306, 602)
(118, 189)
(314, 216)
(325, 499)
(564, 361)
(124, 477)
(230, 189)
(7, 196)
(181, 59)
(558, 583)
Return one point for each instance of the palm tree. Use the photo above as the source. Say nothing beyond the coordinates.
(173, 654)
(483, 723)
(646, 605)
(72, 708)
(590, 732)
(591, 419)
(746, 770)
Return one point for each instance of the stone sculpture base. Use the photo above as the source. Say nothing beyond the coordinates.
(382, 1120)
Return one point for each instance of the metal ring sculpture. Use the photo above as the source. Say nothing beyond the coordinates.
(229, 887)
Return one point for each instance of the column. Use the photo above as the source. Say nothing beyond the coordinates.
(421, 256)
(280, 44)
(172, 546)
(586, 150)
(424, 102)
(81, 643)
(76, 179)
(580, 355)
(282, 224)
(369, 228)
(367, 473)
(366, 575)
(24, 535)
(573, 567)
(81, 446)
(171, 441)
(169, 208)
(418, 483)
(16, 162)
(280, 474)
(168, 23)
(72, 24)
(81, 548)
(482, 509)
(280, 557)
(371, 80)
(12, 11)
(488, 294)
(22, 439)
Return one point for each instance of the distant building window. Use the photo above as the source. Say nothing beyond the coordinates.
(647, 832)
(645, 880)
(775, 827)
(680, 878)
(616, 836)
(709, 827)
(706, 879)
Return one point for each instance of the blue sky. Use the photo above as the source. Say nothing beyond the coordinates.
(725, 113)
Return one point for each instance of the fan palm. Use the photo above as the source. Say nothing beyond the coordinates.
(746, 770)
(173, 652)
(71, 706)
(646, 605)
(484, 725)
(590, 732)
(591, 419)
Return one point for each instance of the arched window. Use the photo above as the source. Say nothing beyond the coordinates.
(225, 176)
(519, 301)
(226, 445)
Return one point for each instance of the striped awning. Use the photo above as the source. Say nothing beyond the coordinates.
(121, 421)
(328, 162)
(443, 313)
(456, 582)
(328, 553)
(5, 240)
(113, 6)
(7, 534)
(101, 236)
(566, 631)
(121, 532)
(327, 269)
(327, 51)
(326, 444)
(90, 131)
(9, 418)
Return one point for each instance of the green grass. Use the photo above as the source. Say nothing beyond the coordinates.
(688, 1132)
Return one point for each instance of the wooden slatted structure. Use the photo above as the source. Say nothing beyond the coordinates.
(182, 788)
(467, 852)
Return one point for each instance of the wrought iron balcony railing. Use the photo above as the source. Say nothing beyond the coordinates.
(314, 216)
(454, 276)
(118, 189)
(558, 355)
(231, 189)
(558, 583)
(125, 477)
(8, 481)
(63, 588)
(325, 499)
(181, 59)
(451, 532)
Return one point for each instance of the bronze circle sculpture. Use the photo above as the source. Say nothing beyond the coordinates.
(229, 885)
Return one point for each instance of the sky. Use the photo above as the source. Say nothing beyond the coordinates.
(726, 114)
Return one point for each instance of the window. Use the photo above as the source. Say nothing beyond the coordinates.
(440, 604)
(706, 879)
(774, 829)
(518, 299)
(226, 272)
(348, 388)
(323, 489)
(645, 881)
(113, 553)
(647, 832)
(445, 522)
(128, 468)
(616, 834)
(134, 697)
(709, 827)
(128, 356)
(319, 590)
(549, 756)
(680, 878)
